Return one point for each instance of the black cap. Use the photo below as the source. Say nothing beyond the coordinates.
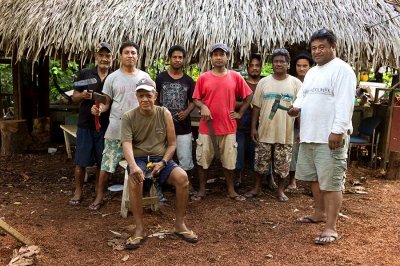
(221, 46)
(103, 45)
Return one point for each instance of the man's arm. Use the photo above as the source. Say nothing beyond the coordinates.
(243, 108)
(171, 143)
(102, 108)
(344, 91)
(126, 139)
(134, 170)
(204, 111)
(183, 114)
(254, 120)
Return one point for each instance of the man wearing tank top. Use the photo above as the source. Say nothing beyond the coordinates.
(148, 140)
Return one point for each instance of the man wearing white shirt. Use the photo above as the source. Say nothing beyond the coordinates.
(326, 103)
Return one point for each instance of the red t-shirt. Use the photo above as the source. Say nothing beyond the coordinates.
(219, 94)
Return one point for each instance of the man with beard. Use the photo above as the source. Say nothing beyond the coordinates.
(215, 95)
(175, 90)
(245, 149)
(274, 137)
(119, 89)
(89, 142)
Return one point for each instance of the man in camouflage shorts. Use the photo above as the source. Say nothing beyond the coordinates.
(273, 136)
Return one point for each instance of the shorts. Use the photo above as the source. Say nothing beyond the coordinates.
(318, 163)
(89, 147)
(184, 151)
(227, 146)
(112, 155)
(164, 173)
(282, 157)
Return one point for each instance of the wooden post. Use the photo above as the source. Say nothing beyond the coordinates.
(393, 171)
(14, 136)
(14, 233)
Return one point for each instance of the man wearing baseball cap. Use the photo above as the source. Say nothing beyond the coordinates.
(89, 142)
(148, 136)
(119, 89)
(215, 95)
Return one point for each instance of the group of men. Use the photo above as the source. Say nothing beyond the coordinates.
(149, 121)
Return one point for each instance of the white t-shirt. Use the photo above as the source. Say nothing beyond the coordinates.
(121, 89)
(326, 99)
(280, 128)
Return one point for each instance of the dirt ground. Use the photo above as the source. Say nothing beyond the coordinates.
(35, 188)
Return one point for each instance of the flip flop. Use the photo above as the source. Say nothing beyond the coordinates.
(196, 197)
(308, 220)
(331, 238)
(251, 194)
(95, 207)
(237, 198)
(130, 245)
(184, 236)
(282, 198)
(73, 202)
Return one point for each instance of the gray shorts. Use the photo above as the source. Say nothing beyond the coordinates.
(316, 162)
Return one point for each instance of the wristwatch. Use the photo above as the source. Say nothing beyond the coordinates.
(164, 162)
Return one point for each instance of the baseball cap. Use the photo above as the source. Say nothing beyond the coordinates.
(146, 84)
(103, 45)
(221, 46)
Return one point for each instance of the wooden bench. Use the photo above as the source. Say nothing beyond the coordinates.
(69, 131)
(152, 200)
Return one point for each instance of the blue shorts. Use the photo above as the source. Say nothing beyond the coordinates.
(164, 173)
(89, 147)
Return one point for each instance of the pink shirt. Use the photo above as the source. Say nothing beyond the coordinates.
(219, 94)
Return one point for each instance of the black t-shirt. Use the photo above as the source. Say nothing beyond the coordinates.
(86, 119)
(175, 95)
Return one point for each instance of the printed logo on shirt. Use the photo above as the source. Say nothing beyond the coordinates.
(285, 97)
(321, 91)
(160, 130)
(174, 96)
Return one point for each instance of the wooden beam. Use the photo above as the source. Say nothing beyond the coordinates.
(14, 233)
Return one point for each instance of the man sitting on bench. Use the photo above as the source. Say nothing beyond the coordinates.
(148, 135)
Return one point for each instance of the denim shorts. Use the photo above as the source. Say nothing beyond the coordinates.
(89, 147)
(184, 151)
(316, 162)
(164, 173)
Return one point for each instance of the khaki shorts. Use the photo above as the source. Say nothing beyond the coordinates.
(317, 162)
(227, 147)
(282, 157)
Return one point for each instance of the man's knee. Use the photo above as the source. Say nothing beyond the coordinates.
(179, 178)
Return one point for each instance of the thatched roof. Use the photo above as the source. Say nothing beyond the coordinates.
(74, 26)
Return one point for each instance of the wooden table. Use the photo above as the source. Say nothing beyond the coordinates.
(69, 131)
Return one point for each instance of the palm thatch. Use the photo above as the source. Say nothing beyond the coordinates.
(74, 26)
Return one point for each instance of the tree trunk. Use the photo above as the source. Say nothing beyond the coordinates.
(14, 136)
(394, 166)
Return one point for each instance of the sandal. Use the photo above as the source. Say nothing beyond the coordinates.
(326, 239)
(74, 202)
(251, 194)
(185, 236)
(95, 207)
(130, 245)
(237, 198)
